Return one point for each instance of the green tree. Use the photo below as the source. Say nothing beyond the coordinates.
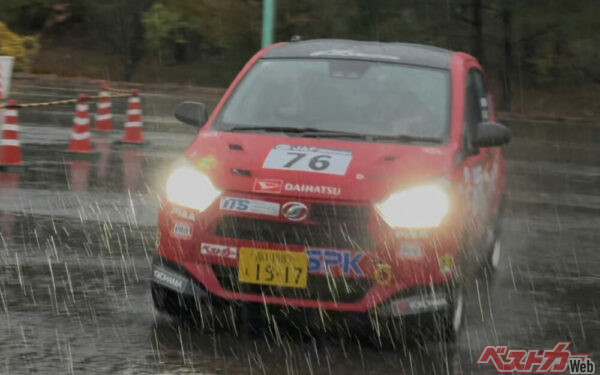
(22, 48)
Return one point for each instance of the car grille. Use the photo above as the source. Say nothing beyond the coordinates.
(323, 213)
(327, 234)
(319, 287)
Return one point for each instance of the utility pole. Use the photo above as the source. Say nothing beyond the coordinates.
(268, 22)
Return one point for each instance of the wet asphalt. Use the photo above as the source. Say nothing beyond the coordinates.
(77, 238)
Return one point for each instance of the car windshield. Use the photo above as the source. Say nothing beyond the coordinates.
(349, 96)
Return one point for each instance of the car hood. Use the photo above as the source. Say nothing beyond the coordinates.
(236, 162)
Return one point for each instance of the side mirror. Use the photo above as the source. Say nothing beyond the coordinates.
(191, 113)
(491, 134)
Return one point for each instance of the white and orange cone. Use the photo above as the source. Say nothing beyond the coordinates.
(81, 143)
(104, 119)
(133, 125)
(10, 147)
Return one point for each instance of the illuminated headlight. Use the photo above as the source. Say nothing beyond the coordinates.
(187, 186)
(418, 207)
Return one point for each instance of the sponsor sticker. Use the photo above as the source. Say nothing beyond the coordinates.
(221, 251)
(249, 205)
(557, 360)
(313, 189)
(267, 185)
(182, 230)
(206, 163)
(294, 211)
(308, 159)
(414, 305)
(446, 263)
(411, 251)
(170, 279)
(183, 214)
(325, 260)
(383, 273)
(412, 234)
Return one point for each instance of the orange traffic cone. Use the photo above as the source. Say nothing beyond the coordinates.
(133, 125)
(81, 144)
(10, 147)
(104, 120)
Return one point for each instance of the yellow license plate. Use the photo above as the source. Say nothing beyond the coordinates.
(273, 267)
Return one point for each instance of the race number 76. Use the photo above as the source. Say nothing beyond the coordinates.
(316, 160)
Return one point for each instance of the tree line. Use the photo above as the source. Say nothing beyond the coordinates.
(533, 43)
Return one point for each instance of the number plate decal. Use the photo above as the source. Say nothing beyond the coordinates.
(309, 159)
(273, 267)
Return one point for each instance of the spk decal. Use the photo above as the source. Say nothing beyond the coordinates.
(322, 260)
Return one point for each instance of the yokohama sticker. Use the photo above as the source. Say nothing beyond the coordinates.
(169, 279)
(222, 251)
(308, 159)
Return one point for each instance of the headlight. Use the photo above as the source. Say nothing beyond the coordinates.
(187, 186)
(418, 207)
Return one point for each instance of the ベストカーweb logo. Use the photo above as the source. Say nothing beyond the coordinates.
(557, 360)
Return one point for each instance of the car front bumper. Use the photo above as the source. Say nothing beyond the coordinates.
(176, 278)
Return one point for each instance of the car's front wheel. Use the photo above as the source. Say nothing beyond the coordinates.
(449, 321)
(494, 257)
(442, 325)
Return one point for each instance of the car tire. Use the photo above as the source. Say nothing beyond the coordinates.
(494, 251)
(447, 324)
(493, 260)
(453, 321)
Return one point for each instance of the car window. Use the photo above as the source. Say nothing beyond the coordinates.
(476, 107)
(342, 95)
(481, 93)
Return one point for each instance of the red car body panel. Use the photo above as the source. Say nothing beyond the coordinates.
(376, 170)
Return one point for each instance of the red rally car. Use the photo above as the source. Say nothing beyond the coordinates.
(337, 176)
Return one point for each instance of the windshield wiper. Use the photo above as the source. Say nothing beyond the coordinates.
(373, 137)
(324, 133)
(276, 129)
